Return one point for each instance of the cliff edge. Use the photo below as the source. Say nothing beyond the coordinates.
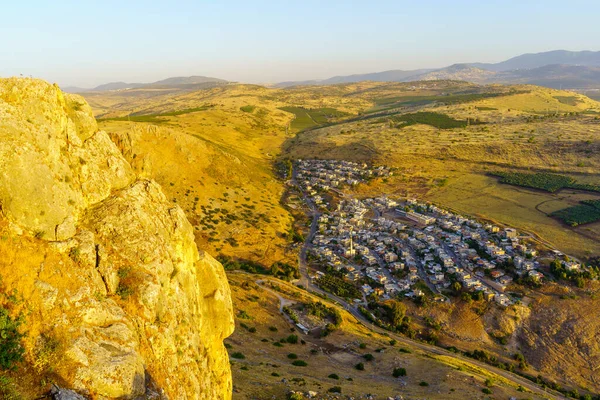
(104, 265)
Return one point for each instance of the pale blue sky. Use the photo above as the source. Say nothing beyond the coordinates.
(86, 43)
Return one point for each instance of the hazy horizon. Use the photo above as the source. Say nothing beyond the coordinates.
(86, 45)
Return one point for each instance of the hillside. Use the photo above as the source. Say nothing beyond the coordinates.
(101, 278)
(224, 142)
(218, 154)
(263, 364)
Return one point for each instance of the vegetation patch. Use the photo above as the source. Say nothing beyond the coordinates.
(543, 181)
(155, 118)
(586, 212)
(450, 99)
(248, 109)
(437, 120)
(338, 286)
(568, 100)
(279, 270)
(311, 118)
(11, 351)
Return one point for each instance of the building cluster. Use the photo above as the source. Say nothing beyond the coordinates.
(318, 176)
(393, 248)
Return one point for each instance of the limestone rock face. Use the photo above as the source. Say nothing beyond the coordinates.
(107, 264)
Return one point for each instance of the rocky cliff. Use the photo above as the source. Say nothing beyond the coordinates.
(105, 265)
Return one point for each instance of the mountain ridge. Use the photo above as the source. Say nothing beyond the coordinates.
(519, 69)
(173, 82)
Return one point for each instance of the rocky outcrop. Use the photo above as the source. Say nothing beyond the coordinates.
(114, 275)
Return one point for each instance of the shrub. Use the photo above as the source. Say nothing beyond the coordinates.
(11, 351)
(334, 376)
(300, 363)
(404, 350)
(393, 342)
(423, 383)
(8, 389)
(369, 357)
(360, 366)
(399, 372)
(295, 396)
(238, 355)
(335, 389)
(292, 339)
(486, 391)
(363, 346)
(273, 329)
(292, 356)
(275, 374)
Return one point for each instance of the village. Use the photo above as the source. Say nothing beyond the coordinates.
(392, 248)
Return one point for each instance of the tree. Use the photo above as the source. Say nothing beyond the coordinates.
(396, 311)
(456, 287)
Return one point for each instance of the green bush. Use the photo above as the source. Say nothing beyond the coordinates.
(369, 357)
(335, 389)
(300, 363)
(399, 372)
(11, 351)
(292, 339)
(292, 356)
(238, 355)
(486, 391)
(360, 366)
(334, 376)
(423, 383)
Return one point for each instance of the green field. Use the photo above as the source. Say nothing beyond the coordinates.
(412, 101)
(248, 109)
(584, 213)
(568, 100)
(441, 121)
(543, 181)
(312, 118)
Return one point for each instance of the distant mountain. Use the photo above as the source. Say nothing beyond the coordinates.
(180, 82)
(554, 76)
(385, 76)
(456, 72)
(537, 60)
(556, 69)
(116, 86)
(186, 80)
(73, 89)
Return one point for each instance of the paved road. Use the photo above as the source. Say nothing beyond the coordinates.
(302, 264)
